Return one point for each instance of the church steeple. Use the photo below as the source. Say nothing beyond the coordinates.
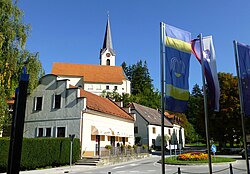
(107, 54)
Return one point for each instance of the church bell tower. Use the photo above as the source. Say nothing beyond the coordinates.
(107, 54)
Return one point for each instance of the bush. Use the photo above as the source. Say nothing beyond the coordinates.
(144, 146)
(135, 147)
(41, 152)
(108, 147)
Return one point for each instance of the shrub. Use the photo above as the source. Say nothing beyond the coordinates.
(122, 147)
(41, 152)
(144, 146)
(129, 147)
(108, 147)
(135, 147)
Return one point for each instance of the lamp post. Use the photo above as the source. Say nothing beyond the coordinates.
(71, 136)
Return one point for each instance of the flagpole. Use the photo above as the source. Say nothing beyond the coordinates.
(241, 103)
(205, 105)
(162, 26)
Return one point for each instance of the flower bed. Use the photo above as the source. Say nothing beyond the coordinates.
(192, 156)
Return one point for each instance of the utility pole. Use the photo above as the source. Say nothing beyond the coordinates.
(16, 140)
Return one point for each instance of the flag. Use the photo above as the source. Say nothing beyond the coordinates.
(177, 54)
(210, 68)
(244, 71)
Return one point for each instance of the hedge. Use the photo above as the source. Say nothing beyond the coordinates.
(41, 152)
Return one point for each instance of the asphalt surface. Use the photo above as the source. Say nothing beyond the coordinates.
(146, 166)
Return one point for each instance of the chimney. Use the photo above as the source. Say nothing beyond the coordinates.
(120, 104)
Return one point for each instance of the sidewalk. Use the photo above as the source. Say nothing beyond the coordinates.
(59, 170)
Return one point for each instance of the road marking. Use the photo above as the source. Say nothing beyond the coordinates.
(118, 167)
(134, 164)
(156, 164)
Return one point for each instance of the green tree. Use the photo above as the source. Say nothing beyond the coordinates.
(139, 76)
(13, 55)
(225, 125)
(189, 131)
(195, 112)
(141, 84)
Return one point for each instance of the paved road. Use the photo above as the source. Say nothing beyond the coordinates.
(146, 166)
(150, 166)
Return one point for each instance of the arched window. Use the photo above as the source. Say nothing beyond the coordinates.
(108, 62)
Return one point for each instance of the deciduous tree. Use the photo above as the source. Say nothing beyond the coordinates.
(13, 55)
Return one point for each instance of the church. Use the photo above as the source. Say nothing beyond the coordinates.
(96, 78)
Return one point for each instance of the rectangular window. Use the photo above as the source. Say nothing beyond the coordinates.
(107, 87)
(169, 131)
(61, 132)
(40, 132)
(57, 102)
(115, 88)
(136, 130)
(38, 103)
(153, 142)
(102, 137)
(11, 107)
(98, 87)
(48, 132)
(154, 131)
(90, 87)
(93, 137)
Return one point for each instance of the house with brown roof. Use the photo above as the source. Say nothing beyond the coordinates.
(96, 78)
(57, 109)
(148, 127)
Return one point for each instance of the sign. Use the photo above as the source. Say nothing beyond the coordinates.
(248, 138)
(213, 148)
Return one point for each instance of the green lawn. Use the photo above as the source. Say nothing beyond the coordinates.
(195, 145)
(173, 160)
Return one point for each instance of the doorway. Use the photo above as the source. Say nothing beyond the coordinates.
(97, 145)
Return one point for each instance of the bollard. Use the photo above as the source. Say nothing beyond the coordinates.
(179, 170)
(230, 168)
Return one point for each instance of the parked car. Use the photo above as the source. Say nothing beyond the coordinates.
(242, 153)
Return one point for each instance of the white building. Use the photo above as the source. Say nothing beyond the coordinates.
(148, 126)
(56, 109)
(96, 78)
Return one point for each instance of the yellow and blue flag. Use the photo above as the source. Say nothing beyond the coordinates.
(177, 53)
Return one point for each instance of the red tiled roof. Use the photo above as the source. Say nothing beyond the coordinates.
(104, 105)
(11, 101)
(90, 73)
(168, 115)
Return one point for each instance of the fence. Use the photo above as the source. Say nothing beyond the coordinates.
(231, 170)
(121, 151)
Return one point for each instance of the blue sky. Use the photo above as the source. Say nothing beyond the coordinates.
(73, 30)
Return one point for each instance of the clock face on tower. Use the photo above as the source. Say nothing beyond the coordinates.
(108, 54)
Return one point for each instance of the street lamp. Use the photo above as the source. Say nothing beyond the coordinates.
(71, 136)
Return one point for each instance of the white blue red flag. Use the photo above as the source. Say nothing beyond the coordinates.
(210, 68)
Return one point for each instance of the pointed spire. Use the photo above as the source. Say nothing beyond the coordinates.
(107, 44)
